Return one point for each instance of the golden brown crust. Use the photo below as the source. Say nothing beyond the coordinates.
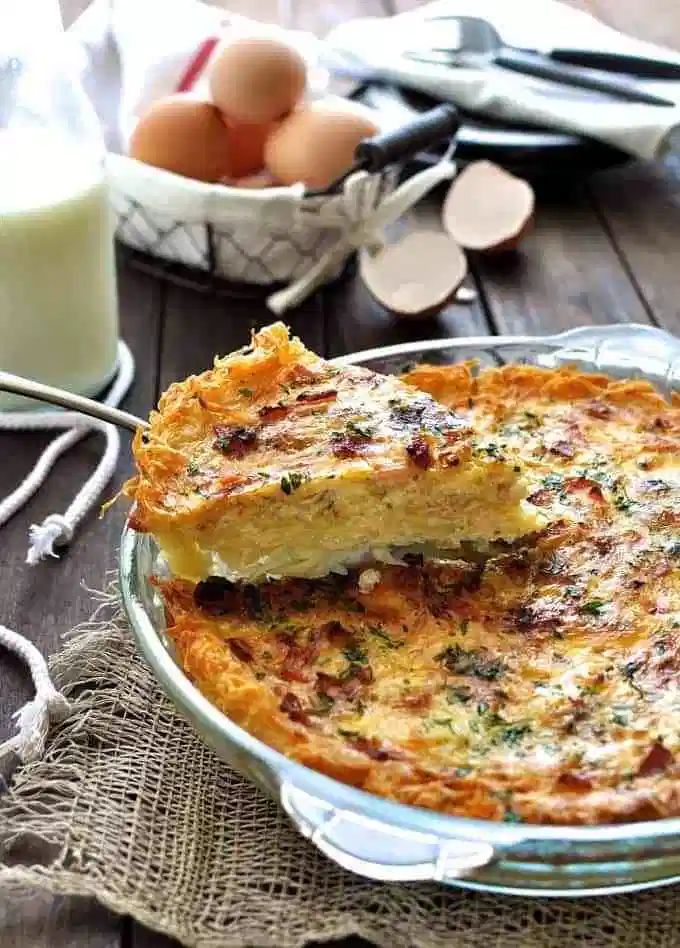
(541, 684)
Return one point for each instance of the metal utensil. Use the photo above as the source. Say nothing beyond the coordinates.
(479, 45)
(18, 385)
(642, 67)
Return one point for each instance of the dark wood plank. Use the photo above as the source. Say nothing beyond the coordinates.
(640, 207)
(356, 321)
(196, 328)
(565, 273)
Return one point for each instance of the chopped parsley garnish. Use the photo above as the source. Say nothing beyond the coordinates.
(629, 670)
(358, 430)
(553, 481)
(291, 482)
(594, 607)
(384, 637)
(511, 817)
(475, 662)
(514, 733)
(458, 694)
(347, 732)
(324, 704)
(193, 469)
(355, 655)
(246, 392)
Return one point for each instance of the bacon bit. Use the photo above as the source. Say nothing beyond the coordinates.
(328, 395)
(417, 701)
(419, 452)
(234, 442)
(292, 706)
(216, 595)
(134, 523)
(662, 424)
(335, 632)
(598, 409)
(514, 564)
(273, 412)
(541, 498)
(377, 750)
(657, 759)
(294, 667)
(348, 687)
(562, 449)
(240, 649)
(604, 544)
(300, 375)
(593, 489)
(572, 781)
(335, 687)
(345, 447)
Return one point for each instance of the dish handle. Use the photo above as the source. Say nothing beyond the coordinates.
(377, 850)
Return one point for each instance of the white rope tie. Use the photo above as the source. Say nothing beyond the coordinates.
(48, 706)
(58, 529)
(367, 219)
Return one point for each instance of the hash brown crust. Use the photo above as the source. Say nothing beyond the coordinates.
(541, 684)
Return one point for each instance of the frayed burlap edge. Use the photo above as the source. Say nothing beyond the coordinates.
(136, 812)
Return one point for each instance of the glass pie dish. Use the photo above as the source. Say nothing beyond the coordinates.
(390, 841)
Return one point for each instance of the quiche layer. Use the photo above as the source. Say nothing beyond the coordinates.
(276, 463)
(538, 684)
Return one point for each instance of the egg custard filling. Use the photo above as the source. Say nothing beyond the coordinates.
(276, 463)
(539, 682)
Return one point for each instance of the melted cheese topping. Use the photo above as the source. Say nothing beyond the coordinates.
(540, 683)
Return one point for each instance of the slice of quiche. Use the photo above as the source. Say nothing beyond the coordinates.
(278, 463)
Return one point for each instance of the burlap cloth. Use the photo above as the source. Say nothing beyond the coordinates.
(138, 813)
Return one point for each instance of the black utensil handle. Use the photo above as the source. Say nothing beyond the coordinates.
(535, 64)
(638, 66)
(401, 143)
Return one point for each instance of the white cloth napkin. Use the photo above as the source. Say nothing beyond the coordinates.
(645, 131)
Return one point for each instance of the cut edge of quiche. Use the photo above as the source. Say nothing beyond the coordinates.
(277, 463)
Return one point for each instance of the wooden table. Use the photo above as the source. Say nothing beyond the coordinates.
(603, 251)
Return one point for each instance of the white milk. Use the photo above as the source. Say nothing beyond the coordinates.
(58, 307)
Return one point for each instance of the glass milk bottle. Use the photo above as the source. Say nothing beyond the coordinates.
(58, 306)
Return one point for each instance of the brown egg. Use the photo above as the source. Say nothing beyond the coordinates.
(182, 134)
(246, 147)
(316, 143)
(257, 79)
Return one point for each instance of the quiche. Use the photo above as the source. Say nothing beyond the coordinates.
(278, 463)
(536, 681)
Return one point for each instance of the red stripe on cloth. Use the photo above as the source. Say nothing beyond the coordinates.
(197, 64)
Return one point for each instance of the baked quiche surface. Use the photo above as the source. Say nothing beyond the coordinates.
(538, 684)
(277, 463)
